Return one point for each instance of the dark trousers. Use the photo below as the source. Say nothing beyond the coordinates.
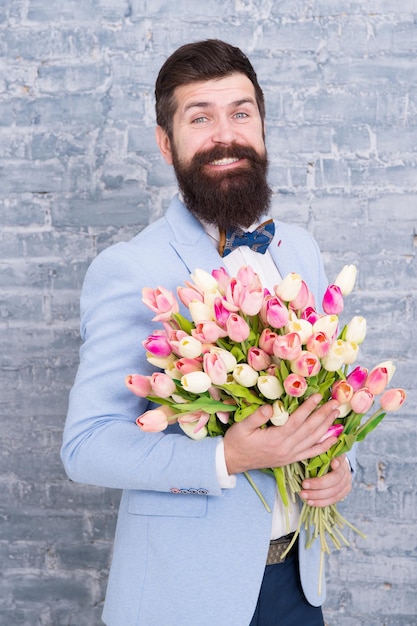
(281, 600)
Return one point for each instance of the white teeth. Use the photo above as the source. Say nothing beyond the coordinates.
(224, 161)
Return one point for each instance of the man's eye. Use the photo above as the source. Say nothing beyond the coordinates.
(199, 120)
(241, 115)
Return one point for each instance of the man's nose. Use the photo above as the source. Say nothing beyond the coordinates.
(223, 132)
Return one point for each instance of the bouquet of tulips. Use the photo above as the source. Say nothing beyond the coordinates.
(244, 347)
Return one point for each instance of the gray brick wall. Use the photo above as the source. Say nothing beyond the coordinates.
(79, 170)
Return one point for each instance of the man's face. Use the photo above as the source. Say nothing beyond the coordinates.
(218, 151)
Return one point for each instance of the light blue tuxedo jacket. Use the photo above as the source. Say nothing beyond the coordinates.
(186, 551)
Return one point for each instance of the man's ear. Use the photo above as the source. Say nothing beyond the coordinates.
(164, 144)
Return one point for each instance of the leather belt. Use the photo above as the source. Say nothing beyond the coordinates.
(277, 548)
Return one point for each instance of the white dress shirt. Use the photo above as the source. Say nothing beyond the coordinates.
(269, 275)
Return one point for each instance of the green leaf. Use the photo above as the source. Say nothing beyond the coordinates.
(183, 323)
(239, 391)
(369, 427)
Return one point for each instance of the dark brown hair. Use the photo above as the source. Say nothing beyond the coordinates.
(194, 62)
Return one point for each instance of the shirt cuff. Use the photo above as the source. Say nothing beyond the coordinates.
(226, 481)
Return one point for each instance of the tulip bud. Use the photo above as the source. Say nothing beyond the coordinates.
(270, 387)
(200, 311)
(196, 382)
(334, 431)
(189, 347)
(327, 324)
(215, 367)
(274, 312)
(287, 347)
(289, 288)
(280, 415)
(357, 377)
(295, 385)
(189, 294)
(227, 357)
(356, 329)
(346, 279)
(266, 340)
(245, 375)
(306, 364)
(162, 363)
(302, 327)
(362, 400)
(390, 367)
(139, 385)
(162, 385)
(342, 391)
(393, 399)
(222, 278)
(318, 344)
(377, 380)
(185, 366)
(203, 280)
(258, 359)
(333, 300)
(237, 328)
(155, 420)
(161, 301)
(157, 344)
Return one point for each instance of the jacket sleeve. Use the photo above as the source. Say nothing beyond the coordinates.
(102, 444)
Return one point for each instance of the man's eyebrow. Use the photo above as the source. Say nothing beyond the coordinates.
(207, 105)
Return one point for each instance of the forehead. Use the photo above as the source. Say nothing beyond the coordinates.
(221, 92)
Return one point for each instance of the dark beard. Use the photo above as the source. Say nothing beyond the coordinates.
(235, 197)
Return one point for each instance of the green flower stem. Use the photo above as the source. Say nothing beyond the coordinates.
(256, 490)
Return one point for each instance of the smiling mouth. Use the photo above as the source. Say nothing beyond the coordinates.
(227, 161)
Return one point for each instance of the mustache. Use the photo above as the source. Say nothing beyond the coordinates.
(230, 152)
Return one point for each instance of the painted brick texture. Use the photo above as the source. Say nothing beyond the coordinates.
(80, 170)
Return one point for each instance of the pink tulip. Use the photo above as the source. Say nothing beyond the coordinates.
(258, 359)
(237, 328)
(306, 364)
(295, 385)
(221, 313)
(318, 344)
(139, 385)
(251, 301)
(162, 385)
(160, 301)
(392, 399)
(301, 300)
(310, 314)
(342, 391)
(189, 294)
(155, 420)
(362, 400)
(215, 367)
(287, 346)
(333, 300)
(334, 431)
(274, 312)
(222, 278)
(357, 377)
(185, 366)
(266, 340)
(208, 332)
(248, 277)
(158, 344)
(377, 380)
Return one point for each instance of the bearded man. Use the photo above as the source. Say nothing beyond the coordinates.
(194, 546)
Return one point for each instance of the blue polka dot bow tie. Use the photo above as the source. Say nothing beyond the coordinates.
(258, 240)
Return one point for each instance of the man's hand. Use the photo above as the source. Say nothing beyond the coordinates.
(330, 488)
(249, 446)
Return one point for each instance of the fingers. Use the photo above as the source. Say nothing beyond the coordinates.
(330, 488)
